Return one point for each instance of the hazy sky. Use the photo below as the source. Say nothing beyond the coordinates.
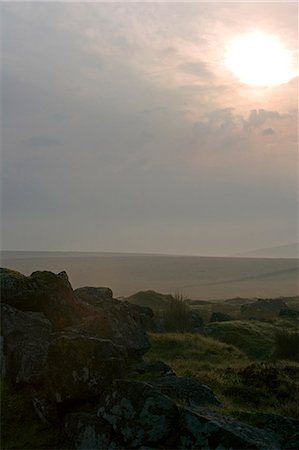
(124, 130)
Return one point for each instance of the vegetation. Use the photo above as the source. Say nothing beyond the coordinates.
(242, 385)
(286, 345)
(254, 338)
(176, 315)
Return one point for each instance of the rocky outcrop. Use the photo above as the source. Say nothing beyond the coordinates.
(89, 432)
(113, 319)
(43, 292)
(263, 308)
(78, 354)
(204, 429)
(186, 390)
(25, 341)
(80, 367)
(139, 414)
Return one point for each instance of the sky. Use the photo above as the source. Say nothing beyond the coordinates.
(124, 130)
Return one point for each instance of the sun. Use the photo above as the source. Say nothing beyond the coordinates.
(260, 59)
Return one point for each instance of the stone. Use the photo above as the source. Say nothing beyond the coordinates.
(79, 367)
(138, 413)
(94, 295)
(220, 317)
(113, 319)
(263, 308)
(43, 292)
(88, 431)
(186, 389)
(25, 342)
(289, 313)
(283, 427)
(208, 430)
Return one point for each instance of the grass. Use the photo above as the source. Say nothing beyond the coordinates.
(254, 338)
(241, 385)
(21, 428)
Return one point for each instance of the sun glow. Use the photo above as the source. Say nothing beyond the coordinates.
(259, 59)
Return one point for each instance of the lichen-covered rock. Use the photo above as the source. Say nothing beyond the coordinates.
(25, 344)
(43, 292)
(113, 319)
(186, 389)
(79, 367)
(88, 431)
(208, 430)
(138, 413)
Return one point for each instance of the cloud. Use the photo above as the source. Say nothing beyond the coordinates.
(268, 132)
(257, 118)
(198, 69)
(42, 141)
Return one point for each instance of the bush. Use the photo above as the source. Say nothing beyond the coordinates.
(286, 345)
(176, 316)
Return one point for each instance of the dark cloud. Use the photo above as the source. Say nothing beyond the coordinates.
(268, 132)
(258, 117)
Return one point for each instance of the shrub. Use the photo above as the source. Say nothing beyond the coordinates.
(177, 315)
(286, 345)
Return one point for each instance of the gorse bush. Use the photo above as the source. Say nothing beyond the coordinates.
(286, 345)
(176, 316)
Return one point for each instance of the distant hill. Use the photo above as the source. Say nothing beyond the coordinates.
(151, 299)
(282, 251)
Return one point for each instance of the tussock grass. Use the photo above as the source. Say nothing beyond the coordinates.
(241, 384)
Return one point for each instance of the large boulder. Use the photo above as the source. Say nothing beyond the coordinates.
(263, 308)
(208, 430)
(87, 431)
(80, 367)
(113, 319)
(43, 292)
(25, 344)
(139, 414)
(186, 389)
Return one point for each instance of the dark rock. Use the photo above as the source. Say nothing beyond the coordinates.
(206, 430)
(116, 320)
(263, 308)
(292, 443)
(196, 322)
(94, 295)
(283, 427)
(45, 409)
(220, 317)
(79, 367)
(87, 431)
(43, 292)
(289, 313)
(159, 368)
(138, 413)
(25, 344)
(186, 389)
